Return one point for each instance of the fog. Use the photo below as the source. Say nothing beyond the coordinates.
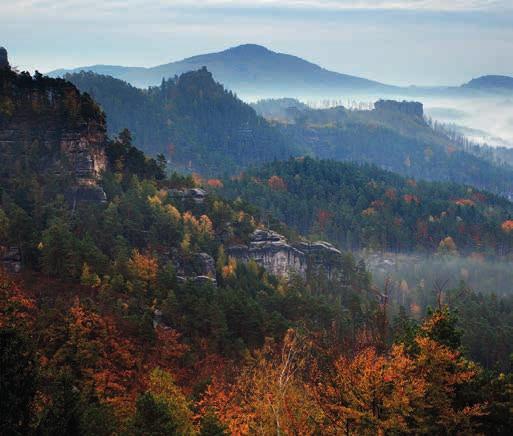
(408, 272)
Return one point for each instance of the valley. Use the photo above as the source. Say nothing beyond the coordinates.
(175, 260)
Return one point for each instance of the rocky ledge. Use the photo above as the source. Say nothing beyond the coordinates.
(273, 252)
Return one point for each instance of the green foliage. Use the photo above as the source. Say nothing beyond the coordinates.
(191, 119)
(210, 426)
(392, 136)
(162, 410)
(152, 417)
(366, 207)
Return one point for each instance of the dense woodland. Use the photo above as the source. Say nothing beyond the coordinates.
(101, 334)
(362, 206)
(393, 136)
(192, 119)
(200, 126)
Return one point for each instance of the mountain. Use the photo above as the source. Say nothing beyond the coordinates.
(192, 119)
(363, 207)
(247, 69)
(490, 83)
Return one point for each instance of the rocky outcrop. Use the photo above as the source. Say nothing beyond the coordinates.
(413, 108)
(4, 60)
(10, 259)
(86, 154)
(197, 195)
(272, 251)
(200, 268)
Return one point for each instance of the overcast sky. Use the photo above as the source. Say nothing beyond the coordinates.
(395, 41)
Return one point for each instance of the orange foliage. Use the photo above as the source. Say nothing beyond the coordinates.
(369, 212)
(276, 183)
(215, 183)
(377, 204)
(15, 305)
(143, 267)
(464, 202)
(507, 226)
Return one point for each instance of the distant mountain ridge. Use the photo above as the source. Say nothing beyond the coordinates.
(246, 68)
(252, 70)
(490, 82)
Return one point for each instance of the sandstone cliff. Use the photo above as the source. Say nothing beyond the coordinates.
(272, 251)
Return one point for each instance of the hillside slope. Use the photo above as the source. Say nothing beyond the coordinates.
(365, 207)
(393, 135)
(193, 120)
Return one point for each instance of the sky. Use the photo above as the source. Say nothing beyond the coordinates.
(402, 42)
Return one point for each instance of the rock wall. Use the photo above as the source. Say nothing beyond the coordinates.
(406, 107)
(272, 251)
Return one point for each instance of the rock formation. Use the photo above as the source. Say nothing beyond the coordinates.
(272, 251)
(4, 60)
(413, 108)
(200, 267)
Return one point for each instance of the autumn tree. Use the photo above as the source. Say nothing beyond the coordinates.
(269, 396)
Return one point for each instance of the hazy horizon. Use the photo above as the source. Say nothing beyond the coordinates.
(400, 42)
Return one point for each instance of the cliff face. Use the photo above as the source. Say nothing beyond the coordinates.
(48, 128)
(272, 251)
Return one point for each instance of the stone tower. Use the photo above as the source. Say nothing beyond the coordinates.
(4, 61)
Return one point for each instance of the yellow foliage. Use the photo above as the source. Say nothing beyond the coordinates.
(143, 267)
(173, 212)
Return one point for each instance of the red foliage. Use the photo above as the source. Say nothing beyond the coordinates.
(215, 183)
(410, 198)
(323, 216)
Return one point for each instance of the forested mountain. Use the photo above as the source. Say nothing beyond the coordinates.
(366, 207)
(129, 313)
(394, 136)
(193, 120)
(248, 69)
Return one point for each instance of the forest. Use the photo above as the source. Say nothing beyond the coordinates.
(127, 315)
(363, 206)
(201, 127)
(396, 136)
(197, 124)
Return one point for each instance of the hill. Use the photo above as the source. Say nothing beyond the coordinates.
(490, 83)
(246, 69)
(193, 120)
(365, 207)
(393, 135)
